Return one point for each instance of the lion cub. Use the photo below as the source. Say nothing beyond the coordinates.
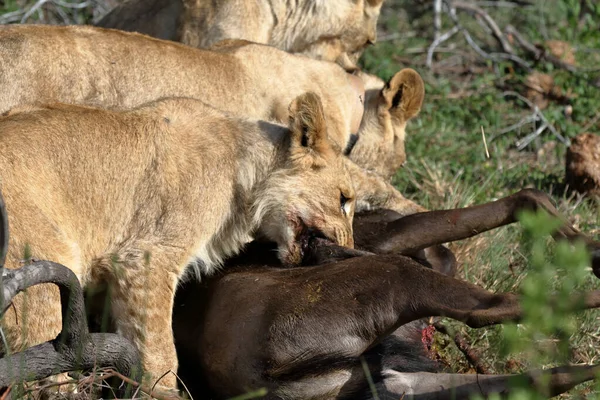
(379, 149)
(131, 198)
(333, 30)
(115, 69)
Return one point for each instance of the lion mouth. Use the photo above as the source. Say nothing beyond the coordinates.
(308, 238)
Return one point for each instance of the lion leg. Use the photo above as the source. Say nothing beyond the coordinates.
(142, 290)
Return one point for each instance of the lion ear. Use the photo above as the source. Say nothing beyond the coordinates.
(308, 126)
(403, 94)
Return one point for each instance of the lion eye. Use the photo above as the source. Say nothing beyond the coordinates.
(343, 201)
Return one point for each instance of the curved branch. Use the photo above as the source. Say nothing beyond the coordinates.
(74, 321)
(74, 348)
(100, 350)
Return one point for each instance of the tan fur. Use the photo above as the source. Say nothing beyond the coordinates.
(87, 65)
(379, 150)
(119, 69)
(389, 106)
(323, 29)
(133, 197)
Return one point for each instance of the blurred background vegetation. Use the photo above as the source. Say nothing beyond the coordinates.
(476, 140)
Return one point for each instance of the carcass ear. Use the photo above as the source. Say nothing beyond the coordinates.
(403, 94)
(308, 126)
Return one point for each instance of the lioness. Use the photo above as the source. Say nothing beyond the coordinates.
(133, 197)
(388, 107)
(112, 68)
(379, 147)
(86, 65)
(326, 30)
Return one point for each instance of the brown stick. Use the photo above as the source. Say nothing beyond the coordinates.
(496, 31)
(470, 354)
(143, 388)
(536, 52)
(74, 348)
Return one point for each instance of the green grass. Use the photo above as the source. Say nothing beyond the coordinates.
(447, 165)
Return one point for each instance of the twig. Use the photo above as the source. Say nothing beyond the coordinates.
(75, 347)
(522, 143)
(184, 385)
(488, 56)
(437, 18)
(33, 9)
(63, 15)
(470, 354)
(487, 153)
(77, 6)
(591, 122)
(496, 32)
(391, 36)
(499, 3)
(520, 97)
(541, 115)
(537, 116)
(10, 17)
(141, 387)
(536, 52)
(439, 41)
(526, 120)
(51, 385)
(158, 380)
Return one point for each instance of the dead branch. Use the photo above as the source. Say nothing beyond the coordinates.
(74, 348)
(106, 374)
(495, 57)
(470, 354)
(439, 40)
(63, 9)
(537, 53)
(500, 3)
(537, 115)
(496, 32)
(507, 53)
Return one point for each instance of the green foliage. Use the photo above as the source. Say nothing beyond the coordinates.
(543, 335)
